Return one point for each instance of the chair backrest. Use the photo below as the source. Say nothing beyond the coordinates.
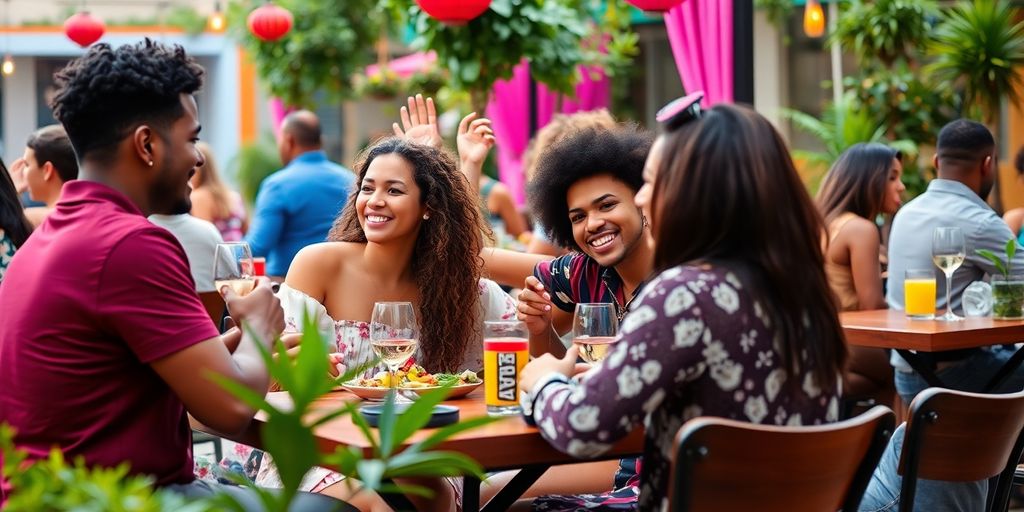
(958, 436)
(724, 465)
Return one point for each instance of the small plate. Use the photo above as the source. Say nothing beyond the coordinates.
(442, 415)
(375, 393)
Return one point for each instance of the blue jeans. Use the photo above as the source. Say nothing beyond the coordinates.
(971, 374)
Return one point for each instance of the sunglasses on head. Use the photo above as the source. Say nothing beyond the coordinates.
(681, 111)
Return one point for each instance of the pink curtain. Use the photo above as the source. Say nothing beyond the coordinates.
(509, 112)
(700, 32)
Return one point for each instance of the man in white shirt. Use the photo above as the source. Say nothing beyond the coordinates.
(199, 238)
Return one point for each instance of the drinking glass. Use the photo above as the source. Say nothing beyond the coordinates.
(394, 335)
(948, 252)
(506, 351)
(919, 294)
(232, 267)
(594, 327)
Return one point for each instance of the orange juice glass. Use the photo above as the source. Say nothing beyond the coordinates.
(506, 351)
(919, 294)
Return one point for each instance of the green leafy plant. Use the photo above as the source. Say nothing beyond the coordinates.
(777, 12)
(1010, 251)
(884, 31)
(287, 433)
(55, 484)
(1007, 288)
(328, 44)
(555, 36)
(383, 84)
(840, 127)
(979, 48)
(252, 164)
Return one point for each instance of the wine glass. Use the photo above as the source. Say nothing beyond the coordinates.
(594, 327)
(948, 252)
(233, 267)
(394, 335)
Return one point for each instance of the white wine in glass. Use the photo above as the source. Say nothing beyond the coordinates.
(948, 253)
(594, 327)
(394, 335)
(233, 267)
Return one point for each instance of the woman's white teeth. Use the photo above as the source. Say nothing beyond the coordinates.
(604, 240)
(377, 218)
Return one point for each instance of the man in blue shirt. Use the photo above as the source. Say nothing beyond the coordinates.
(296, 206)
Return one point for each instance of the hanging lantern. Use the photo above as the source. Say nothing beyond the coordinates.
(270, 22)
(655, 5)
(216, 22)
(84, 29)
(814, 19)
(7, 68)
(454, 12)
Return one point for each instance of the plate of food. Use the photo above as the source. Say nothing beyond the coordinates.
(415, 379)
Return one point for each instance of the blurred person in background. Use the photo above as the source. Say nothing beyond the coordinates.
(49, 162)
(214, 202)
(14, 227)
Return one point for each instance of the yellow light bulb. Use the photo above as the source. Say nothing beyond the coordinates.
(814, 19)
(7, 68)
(216, 23)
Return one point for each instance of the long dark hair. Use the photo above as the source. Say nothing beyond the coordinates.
(856, 182)
(727, 193)
(446, 259)
(12, 216)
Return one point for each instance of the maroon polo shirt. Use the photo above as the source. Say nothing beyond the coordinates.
(95, 295)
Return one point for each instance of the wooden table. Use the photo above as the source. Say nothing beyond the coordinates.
(506, 444)
(887, 328)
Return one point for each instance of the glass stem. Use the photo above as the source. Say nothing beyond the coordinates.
(949, 302)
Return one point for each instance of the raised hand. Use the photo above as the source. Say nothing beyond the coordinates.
(475, 139)
(419, 122)
(260, 310)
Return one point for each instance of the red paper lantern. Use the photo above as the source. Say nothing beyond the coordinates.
(84, 29)
(454, 12)
(655, 5)
(270, 22)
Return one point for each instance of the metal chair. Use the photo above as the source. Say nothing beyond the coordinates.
(957, 436)
(724, 465)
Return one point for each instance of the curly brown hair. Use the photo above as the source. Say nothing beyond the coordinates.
(446, 259)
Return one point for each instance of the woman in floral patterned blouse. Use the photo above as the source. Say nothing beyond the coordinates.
(14, 227)
(724, 329)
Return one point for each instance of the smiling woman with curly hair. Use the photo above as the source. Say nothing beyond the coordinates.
(411, 232)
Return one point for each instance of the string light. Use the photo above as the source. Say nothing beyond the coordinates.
(7, 68)
(814, 19)
(216, 22)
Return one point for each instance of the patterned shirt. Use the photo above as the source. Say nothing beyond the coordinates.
(696, 344)
(576, 277)
(6, 253)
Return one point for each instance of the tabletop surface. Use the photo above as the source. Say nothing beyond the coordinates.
(506, 443)
(889, 328)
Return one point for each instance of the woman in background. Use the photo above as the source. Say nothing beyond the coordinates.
(862, 184)
(14, 227)
(213, 201)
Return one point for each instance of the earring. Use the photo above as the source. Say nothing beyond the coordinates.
(426, 216)
(151, 163)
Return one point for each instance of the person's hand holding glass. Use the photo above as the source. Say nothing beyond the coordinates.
(948, 252)
(594, 327)
(394, 335)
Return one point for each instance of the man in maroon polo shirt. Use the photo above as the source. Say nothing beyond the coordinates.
(104, 344)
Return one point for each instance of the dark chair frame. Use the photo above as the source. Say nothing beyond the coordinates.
(941, 413)
(695, 444)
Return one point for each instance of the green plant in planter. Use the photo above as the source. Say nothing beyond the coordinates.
(1007, 291)
(287, 434)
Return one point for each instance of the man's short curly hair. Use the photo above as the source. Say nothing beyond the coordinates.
(619, 152)
(103, 95)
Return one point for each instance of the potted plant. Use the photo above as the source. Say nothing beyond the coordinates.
(1007, 286)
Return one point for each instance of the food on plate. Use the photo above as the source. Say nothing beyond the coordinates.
(414, 376)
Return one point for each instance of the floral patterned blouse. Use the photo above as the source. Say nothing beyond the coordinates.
(695, 344)
(6, 252)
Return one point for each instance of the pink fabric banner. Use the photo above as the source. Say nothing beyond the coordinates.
(510, 113)
(700, 32)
